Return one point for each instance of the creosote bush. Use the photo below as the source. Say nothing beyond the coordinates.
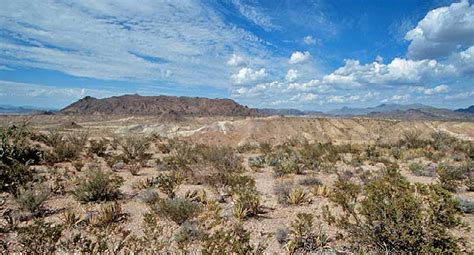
(451, 177)
(391, 215)
(304, 237)
(176, 209)
(233, 240)
(97, 185)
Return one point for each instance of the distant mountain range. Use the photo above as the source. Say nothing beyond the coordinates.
(469, 109)
(346, 111)
(22, 110)
(176, 108)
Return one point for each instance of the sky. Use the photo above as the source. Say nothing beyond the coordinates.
(310, 55)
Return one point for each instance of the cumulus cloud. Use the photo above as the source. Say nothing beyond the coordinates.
(436, 90)
(399, 71)
(247, 75)
(236, 60)
(299, 57)
(292, 75)
(442, 31)
(309, 40)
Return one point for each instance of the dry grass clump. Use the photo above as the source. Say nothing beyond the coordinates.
(108, 214)
(98, 147)
(97, 185)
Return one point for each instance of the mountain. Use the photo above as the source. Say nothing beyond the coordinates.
(22, 110)
(346, 111)
(270, 111)
(430, 113)
(159, 105)
(469, 109)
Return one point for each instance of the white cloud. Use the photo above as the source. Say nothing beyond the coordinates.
(255, 15)
(397, 98)
(236, 60)
(442, 31)
(299, 57)
(292, 75)
(436, 90)
(305, 97)
(462, 95)
(17, 93)
(247, 75)
(309, 40)
(183, 43)
(399, 71)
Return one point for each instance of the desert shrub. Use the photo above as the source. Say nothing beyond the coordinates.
(98, 147)
(134, 149)
(236, 183)
(465, 205)
(166, 183)
(186, 234)
(451, 177)
(51, 138)
(16, 153)
(256, 162)
(287, 166)
(246, 148)
(391, 215)
(265, 148)
(469, 182)
(442, 140)
(98, 185)
(411, 139)
(310, 181)
(395, 152)
(32, 197)
(39, 237)
(204, 164)
(234, 240)
(176, 209)
(303, 237)
(78, 138)
(247, 205)
(311, 155)
(421, 170)
(14, 175)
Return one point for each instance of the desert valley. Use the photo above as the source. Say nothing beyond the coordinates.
(215, 177)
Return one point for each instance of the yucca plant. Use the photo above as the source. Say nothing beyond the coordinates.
(298, 196)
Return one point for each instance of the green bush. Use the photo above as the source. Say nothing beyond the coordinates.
(390, 215)
(442, 140)
(451, 177)
(247, 205)
(98, 186)
(14, 175)
(303, 237)
(134, 149)
(32, 197)
(420, 170)
(411, 139)
(178, 210)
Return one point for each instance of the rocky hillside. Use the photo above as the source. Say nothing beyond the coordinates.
(158, 105)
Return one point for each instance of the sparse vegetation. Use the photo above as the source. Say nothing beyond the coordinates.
(32, 197)
(176, 209)
(98, 185)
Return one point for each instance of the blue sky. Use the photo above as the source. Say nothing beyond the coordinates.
(312, 55)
